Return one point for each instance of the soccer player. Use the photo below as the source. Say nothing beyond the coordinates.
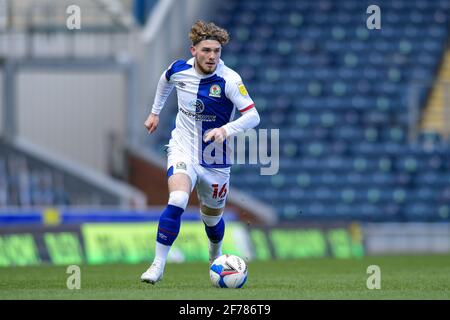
(208, 93)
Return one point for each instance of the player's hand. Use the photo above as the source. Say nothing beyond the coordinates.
(218, 135)
(151, 123)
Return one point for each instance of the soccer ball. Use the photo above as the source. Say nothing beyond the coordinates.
(228, 271)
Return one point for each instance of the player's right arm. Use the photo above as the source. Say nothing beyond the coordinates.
(165, 87)
(152, 122)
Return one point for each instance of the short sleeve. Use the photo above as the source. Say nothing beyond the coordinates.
(238, 94)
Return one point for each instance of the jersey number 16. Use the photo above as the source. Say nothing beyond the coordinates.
(217, 193)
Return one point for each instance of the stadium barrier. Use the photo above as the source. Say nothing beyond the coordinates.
(394, 238)
(100, 237)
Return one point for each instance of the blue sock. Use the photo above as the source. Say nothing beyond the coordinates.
(215, 233)
(169, 225)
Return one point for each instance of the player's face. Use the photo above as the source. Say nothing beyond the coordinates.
(207, 55)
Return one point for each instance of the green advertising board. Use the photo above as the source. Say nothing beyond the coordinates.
(135, 242)
(18, 250)
(98, 243)
(260, 243)
(315, 242)
(298, 243)
(35, 245)
(63, 248)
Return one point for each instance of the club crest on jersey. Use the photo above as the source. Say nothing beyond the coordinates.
(215, 91)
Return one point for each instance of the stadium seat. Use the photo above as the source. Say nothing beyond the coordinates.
(339, 94)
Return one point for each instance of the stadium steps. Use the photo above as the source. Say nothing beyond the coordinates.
(434, 115)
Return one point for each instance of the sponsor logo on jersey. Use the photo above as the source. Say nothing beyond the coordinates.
(198, 116)
(197, 105)
(242, 89)
(215, 91)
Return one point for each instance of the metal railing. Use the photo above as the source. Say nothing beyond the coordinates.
(41, 28)
(52, 14)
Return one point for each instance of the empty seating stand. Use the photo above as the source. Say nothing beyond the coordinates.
(339, 93)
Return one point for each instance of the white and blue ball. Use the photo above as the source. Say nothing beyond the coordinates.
(228, 271)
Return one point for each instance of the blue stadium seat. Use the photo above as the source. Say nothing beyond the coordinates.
(340, 94)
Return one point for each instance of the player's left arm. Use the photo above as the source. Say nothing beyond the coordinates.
(249, 118)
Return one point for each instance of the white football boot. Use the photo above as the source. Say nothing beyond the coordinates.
(153, 274)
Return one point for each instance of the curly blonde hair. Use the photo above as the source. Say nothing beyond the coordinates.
(208, 31)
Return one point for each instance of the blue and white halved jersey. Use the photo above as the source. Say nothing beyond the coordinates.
(204, 102)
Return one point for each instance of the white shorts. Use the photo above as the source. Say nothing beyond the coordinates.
(212, 184)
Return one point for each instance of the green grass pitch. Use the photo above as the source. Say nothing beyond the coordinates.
(402, 277)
